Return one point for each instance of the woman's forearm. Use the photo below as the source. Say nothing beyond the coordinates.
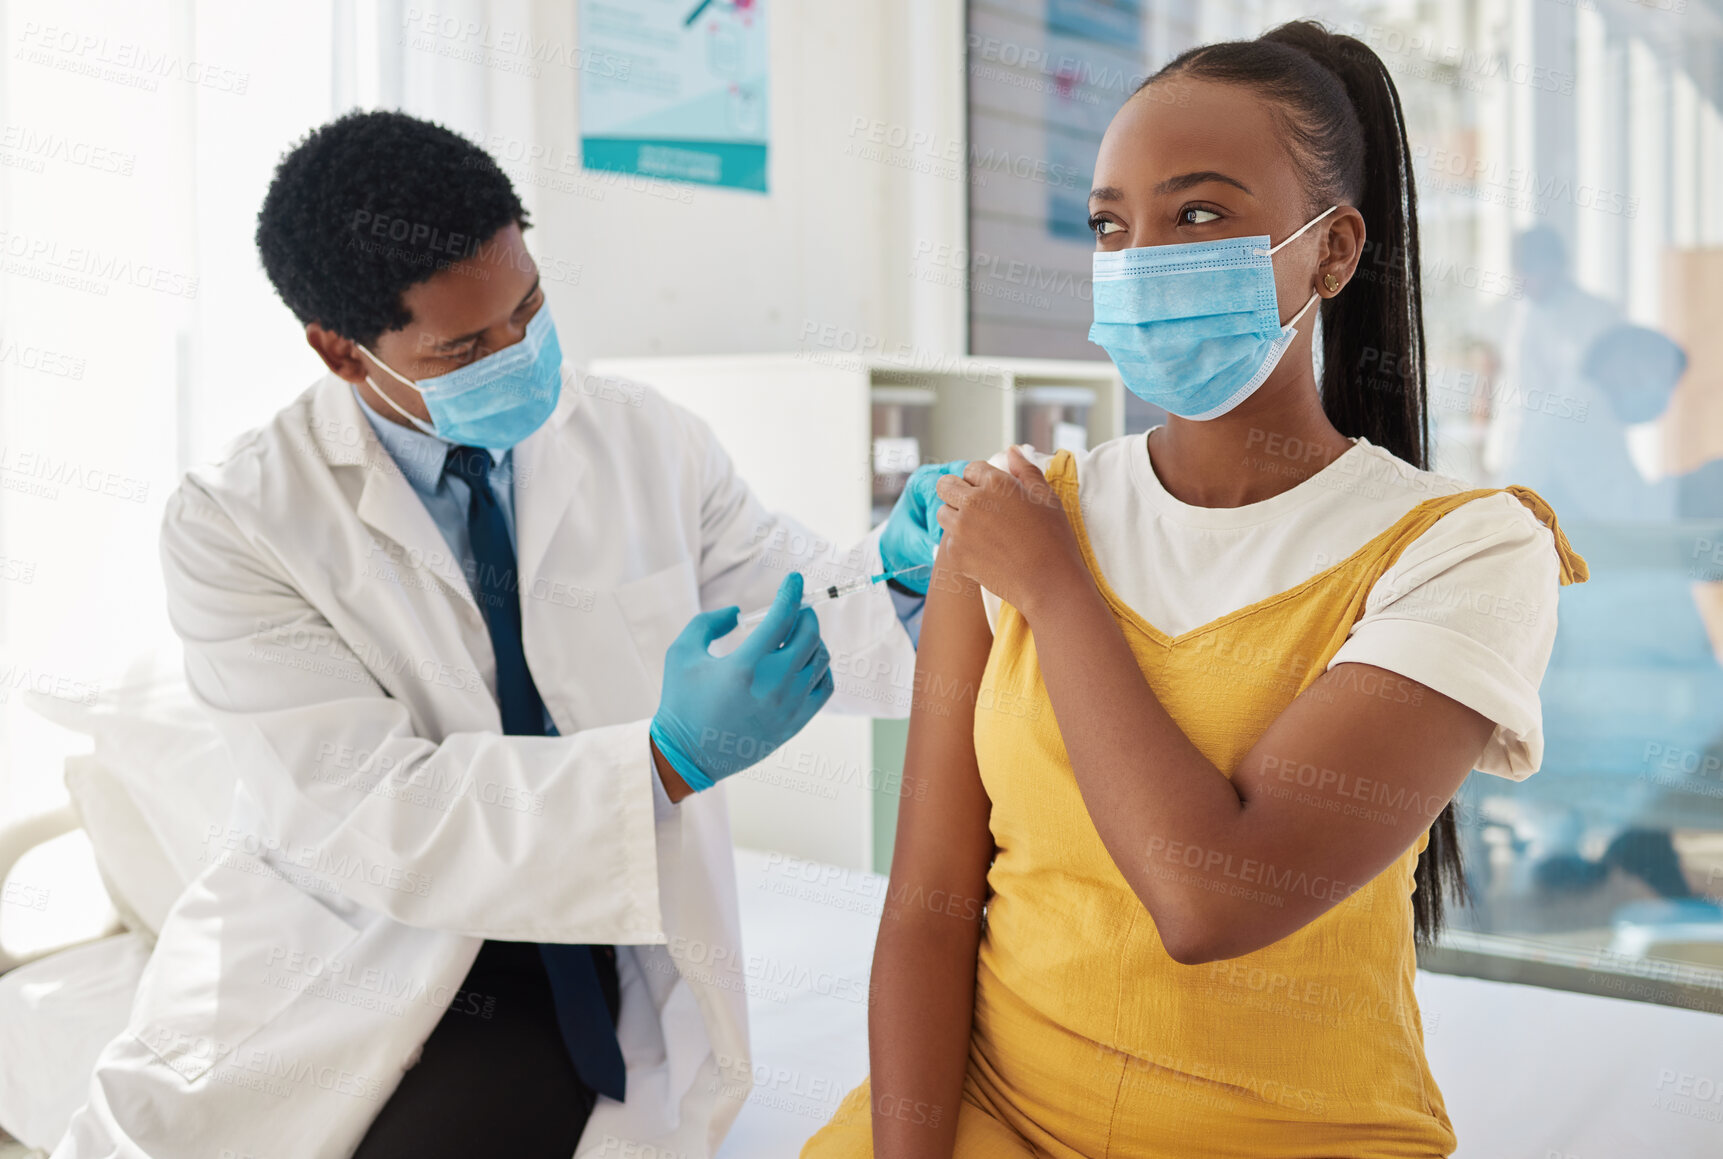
(919, 1015)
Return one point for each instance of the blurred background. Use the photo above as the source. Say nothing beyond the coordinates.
(910, 264)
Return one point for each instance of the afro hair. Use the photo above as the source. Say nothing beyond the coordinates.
(369, 205)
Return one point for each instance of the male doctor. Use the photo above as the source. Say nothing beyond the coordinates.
(451, 610)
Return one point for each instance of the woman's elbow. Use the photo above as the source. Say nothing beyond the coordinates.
(1199, 938)
(1187, 934)
(1204, 928)
(1191, 950)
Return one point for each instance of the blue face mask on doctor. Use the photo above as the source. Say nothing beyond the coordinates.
(1193, 328)
(496, 401)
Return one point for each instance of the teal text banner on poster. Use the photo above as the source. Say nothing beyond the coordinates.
(685, 95)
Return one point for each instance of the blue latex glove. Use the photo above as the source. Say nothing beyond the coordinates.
(912, 533)
(720, 714)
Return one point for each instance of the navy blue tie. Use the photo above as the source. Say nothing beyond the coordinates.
(582, 978)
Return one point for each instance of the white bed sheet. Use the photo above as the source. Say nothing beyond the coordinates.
(56, 1015)
(807, 940)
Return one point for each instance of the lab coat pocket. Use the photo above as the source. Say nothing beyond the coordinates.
(236, 949)
(656, 608)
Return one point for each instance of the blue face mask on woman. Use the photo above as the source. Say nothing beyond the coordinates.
(496, 401)
(1193, 328)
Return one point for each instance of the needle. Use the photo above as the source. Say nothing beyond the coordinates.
(836, 592)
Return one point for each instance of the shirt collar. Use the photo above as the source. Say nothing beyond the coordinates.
(419, 455)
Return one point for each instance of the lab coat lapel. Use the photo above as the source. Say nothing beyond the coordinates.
(547, 478)
(390, 507)
(547, 482)
(388, 504)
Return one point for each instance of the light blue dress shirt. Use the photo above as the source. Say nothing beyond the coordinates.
(908, 609)
(446, 496)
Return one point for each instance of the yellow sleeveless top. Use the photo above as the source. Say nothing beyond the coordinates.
(1088, 1039)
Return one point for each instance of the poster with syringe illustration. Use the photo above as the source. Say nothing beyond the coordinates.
(683, 94)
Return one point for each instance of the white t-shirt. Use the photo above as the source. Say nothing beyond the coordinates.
(1469, 608)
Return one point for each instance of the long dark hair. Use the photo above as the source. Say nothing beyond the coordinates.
(1342, 123)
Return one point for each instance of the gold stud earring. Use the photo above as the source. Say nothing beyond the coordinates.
(1330, 283)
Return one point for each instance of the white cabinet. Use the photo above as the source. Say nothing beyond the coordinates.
(800, 430)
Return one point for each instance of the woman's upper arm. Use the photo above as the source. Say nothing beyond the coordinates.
(943, 839)
(1469, 610)
(1440, 675)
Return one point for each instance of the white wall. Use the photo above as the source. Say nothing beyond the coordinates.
(677, 269)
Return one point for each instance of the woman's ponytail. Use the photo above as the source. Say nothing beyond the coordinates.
(1346, 132)
(1373, 373)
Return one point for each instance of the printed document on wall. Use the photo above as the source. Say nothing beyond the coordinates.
(682, 96)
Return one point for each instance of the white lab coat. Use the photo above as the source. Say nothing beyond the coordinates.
(382, 826)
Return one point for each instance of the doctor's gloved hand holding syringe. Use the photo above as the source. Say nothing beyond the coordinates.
(720, 714)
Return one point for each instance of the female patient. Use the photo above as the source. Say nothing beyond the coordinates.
(1191, 708)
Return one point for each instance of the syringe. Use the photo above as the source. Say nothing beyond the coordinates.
(825, 595)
